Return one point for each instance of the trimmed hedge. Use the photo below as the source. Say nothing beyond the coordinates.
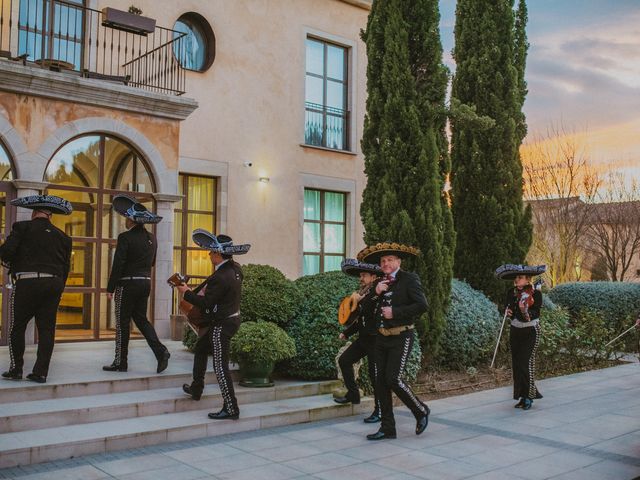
(616, 303)
(315, 328)
(472, 328)
(267, 295)
(261, 342)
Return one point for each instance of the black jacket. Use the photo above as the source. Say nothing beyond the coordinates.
(511, 301)
(221, 298)
(134, 257)
(363, 318)
(406, 298)
(37, 246)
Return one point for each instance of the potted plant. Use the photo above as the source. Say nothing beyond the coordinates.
(256, 348)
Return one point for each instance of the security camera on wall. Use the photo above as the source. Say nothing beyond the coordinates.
(248, 164)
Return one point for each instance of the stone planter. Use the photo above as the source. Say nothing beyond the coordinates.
(256, 374)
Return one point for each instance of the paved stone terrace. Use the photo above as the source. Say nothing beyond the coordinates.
(587, 427)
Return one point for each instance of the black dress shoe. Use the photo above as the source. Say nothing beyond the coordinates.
(12, 375)
(380, 435)
(186, 388)
(344, 400)
(527, 403)
(422, 422)
(520, 404)
(373, 418)
(223, 415)
(114, 368)
(36, 378)
(163, 362)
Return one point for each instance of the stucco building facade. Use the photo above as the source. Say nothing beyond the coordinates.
(243, 117)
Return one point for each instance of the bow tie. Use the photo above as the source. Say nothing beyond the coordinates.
(389, 278)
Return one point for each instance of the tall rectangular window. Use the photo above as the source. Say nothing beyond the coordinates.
(197, 209)
(324, 231)
(326, 95)
(52, 31)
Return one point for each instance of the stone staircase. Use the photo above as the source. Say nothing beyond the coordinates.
(40, 423)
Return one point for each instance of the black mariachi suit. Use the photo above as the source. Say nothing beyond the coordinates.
(36, 246)
(135, 255)
(524, 343)
(220, 303)
(406, 297)
(365, 324)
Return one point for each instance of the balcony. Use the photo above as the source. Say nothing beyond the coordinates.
(109, 45)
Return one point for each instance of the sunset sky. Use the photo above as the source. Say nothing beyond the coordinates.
(583, 71)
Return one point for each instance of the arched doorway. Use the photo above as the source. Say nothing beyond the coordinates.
(88, 171)
(6, 220)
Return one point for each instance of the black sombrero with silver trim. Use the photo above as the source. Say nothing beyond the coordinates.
(510, 271)
(222, 244)
(374, 253)
(44, 202)
(354, 268)
(133, 210)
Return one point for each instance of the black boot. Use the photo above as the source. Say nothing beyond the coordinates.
(520, 403)
(223, 415)
(422, 422)
(193, 392)
(373, 418)
(36, 378)
(380, 435)
(114, 368)
(347, 399)
(12, 375)
(163, 361)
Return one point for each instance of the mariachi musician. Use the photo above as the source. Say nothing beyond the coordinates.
(218, 302)
(522, 306)
(401, 301)
(360, 318)
(39, 258)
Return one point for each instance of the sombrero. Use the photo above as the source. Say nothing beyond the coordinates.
(44, 202)
(510, 271)
(375, 252)
(354, 268)
(221, 243)
(133, 210)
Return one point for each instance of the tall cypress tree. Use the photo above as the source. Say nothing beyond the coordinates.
(491, 222)
(405, 147)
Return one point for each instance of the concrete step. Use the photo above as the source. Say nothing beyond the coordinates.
(57, 412)
(35, 446)
(99, 384)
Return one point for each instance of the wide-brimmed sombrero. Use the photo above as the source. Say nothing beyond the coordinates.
(373, 253)
(133, 210)
(220, 244)
(44, 202)
(354, 268)
(510, 271)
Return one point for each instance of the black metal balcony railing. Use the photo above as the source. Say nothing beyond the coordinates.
(326, 126)
(64, 35)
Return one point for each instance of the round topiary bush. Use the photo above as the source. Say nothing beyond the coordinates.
(261, 342)
(472, 327)
(267, 295)
(315, 327)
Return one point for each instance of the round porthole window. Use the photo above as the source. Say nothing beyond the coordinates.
(194, 43)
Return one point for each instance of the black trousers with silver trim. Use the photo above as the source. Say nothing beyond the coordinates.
(131, 299)
(217, 341)
(524, 343)
(363, 346)
(39, 298)
(392, 353)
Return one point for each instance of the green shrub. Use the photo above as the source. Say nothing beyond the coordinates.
(261, 342)
(189, 338)
(472, 328)
(267, 295)
(315, 327)
(555, 337)
(616, 303)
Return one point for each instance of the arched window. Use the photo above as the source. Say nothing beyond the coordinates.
(88, 171)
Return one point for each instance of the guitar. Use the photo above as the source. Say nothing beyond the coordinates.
(195, 320)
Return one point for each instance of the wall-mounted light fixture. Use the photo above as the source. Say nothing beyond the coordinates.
(264, 179)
